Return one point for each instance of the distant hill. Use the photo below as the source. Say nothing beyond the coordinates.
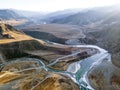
(88, 16)
(28, 13)
(32, 16)
(81, 18)
(57, 15)
(11, 17)
(9, 14)
(35, 17)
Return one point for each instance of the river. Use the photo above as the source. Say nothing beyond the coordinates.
(78, 70)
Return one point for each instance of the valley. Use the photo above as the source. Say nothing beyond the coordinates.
(64, 50)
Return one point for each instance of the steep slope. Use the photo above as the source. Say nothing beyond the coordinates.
(107, 32)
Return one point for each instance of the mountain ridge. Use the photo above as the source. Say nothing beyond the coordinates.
(8, 14)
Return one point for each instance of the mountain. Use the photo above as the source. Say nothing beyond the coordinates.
(48, 17)
(81, 18)
(28, 14)
(88, 16)
(9, 14)
(35, 17)
(106, 31)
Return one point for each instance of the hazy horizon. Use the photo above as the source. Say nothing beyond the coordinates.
(53, 5)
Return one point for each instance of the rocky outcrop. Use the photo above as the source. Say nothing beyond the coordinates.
(4, 29)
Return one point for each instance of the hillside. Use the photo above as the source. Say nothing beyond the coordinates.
(106, 32)
(9, 34)
(58, 33)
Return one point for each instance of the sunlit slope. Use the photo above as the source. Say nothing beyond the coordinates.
(9, 34)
